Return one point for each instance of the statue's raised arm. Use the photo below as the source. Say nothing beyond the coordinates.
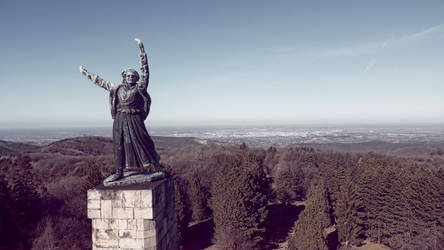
(144, 70)
(97, 80)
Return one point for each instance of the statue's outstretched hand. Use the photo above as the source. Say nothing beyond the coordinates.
(142, 49)
(85, 72)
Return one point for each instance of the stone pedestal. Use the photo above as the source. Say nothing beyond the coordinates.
(139, 216)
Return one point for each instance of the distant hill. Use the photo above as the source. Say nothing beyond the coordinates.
(88, 145)
(9, 148)
(75, 156)
(176, 142)
(419, 150)
(381, 147)
(97, 145)
(361, 147)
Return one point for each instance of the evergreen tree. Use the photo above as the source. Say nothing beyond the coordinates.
(7, 228)
(199, 196)
(310, 230)
(289, 185)
(25, 206)
(239, 202)
(345, 213)
(183, 213)
(181, 199)
(364, 193)
(336, 170)
(384, 200)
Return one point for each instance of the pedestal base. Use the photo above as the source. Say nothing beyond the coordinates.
(138, 216)
(132, 177)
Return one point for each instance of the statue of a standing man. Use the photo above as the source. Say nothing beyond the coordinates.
(130, 105)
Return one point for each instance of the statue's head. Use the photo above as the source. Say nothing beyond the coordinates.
(130, 76)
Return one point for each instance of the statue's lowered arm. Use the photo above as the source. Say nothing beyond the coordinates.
(97, 80)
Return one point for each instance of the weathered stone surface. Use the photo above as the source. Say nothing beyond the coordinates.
(121, 224)
(133, 217)
(123, 213)
(93, 213)
(131, 243)
(124, 234)
(109, 194)
(94, 204)
(105, 238)
(150, 242)
(116, 203)
(148, 225)
(132, 224)
(105, 248)
(93, 194)
(130, 198)
(146, 198)
(101, 224)
(147, 233)
(143, 213)
(106, 209)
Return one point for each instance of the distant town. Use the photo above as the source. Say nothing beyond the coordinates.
(254, 136)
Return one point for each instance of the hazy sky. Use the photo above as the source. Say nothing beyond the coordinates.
(225, 62)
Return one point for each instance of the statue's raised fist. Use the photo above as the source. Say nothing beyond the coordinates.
(142, 49)
(83, 70)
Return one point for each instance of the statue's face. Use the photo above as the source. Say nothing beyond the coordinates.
(131, 77)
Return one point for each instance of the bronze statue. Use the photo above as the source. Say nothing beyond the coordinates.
(130, 106)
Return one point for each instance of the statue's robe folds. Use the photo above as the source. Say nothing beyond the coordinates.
(133, 147)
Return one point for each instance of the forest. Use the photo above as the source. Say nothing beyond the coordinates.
(236, 196)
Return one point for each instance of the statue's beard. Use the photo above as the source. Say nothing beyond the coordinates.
(130, 83)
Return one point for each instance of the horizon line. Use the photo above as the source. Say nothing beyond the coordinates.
(213, 125)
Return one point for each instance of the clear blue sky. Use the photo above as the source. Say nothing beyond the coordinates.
(225, 62)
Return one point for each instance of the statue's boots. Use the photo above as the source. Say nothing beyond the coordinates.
(118, 175)
(157, 167)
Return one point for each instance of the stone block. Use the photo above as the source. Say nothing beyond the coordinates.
(111, 223)
(124, 234)
(93, 213)
(148, 225)
(123, 213)
(153, 248)
(106, 209)
(131, 243)
(109, 194)
(146, 198)
(93, 194)
(116, 203)
(93, 204)
(105, 248)
(150, 242)
(143, 234)
(132, 223)
(140, 225)
(121, 224)
(130, 198)
(101, 224)
(105, 238)
(143, 213)
(149, 233)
